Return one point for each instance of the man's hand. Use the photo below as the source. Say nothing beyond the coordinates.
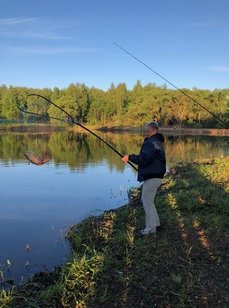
(125, 158)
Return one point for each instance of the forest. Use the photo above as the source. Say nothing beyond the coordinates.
(119, 106)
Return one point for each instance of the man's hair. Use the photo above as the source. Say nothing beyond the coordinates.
(153, 124)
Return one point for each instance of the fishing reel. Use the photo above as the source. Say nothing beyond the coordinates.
(70, 121)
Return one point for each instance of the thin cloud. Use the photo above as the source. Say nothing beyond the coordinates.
(36, 28)
(48, 50)
(32, 34)
(220, 68)
(202, 24)
(19, 20)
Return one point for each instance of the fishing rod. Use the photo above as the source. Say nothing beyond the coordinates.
(183, 92)
(71, 121)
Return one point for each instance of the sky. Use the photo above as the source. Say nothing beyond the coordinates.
(53, 43)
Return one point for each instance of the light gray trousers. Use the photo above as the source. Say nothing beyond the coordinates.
(149, 190)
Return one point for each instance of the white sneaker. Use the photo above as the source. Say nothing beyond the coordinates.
(146, 232)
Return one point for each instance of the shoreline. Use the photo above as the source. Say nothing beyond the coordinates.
(48, 128)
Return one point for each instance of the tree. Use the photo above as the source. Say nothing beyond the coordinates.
(74, 100)
(96, 113)
(9, 102)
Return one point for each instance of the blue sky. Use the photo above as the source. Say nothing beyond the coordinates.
(54, 43)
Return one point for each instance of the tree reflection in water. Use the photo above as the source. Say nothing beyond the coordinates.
(77, 149)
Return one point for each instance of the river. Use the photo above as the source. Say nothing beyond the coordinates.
(83, 177)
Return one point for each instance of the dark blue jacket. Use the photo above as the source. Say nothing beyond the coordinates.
(151, 160)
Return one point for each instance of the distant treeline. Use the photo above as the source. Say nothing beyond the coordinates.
(119, 106)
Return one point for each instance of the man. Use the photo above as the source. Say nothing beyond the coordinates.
(151, 163)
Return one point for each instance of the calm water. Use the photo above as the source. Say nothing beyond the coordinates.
(38, 204)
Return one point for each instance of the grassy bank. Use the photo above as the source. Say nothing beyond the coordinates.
(183, 265)
(30, 128)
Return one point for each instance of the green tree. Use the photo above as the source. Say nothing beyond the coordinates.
(96, 113)
(9, 102)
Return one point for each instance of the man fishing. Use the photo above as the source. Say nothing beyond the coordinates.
(151, 163)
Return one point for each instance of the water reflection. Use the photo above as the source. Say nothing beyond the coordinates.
(77, 149)
(83, 177)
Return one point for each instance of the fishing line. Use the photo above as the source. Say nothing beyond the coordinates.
(70, 120)
(43, 116)
(183, 92)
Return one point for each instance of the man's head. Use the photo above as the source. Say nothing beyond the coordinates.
(151, 129)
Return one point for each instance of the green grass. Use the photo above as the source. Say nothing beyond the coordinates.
(183, 265)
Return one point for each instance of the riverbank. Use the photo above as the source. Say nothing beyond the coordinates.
(30, 128)
(46, 128)
(172, 130)
(183, 265)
